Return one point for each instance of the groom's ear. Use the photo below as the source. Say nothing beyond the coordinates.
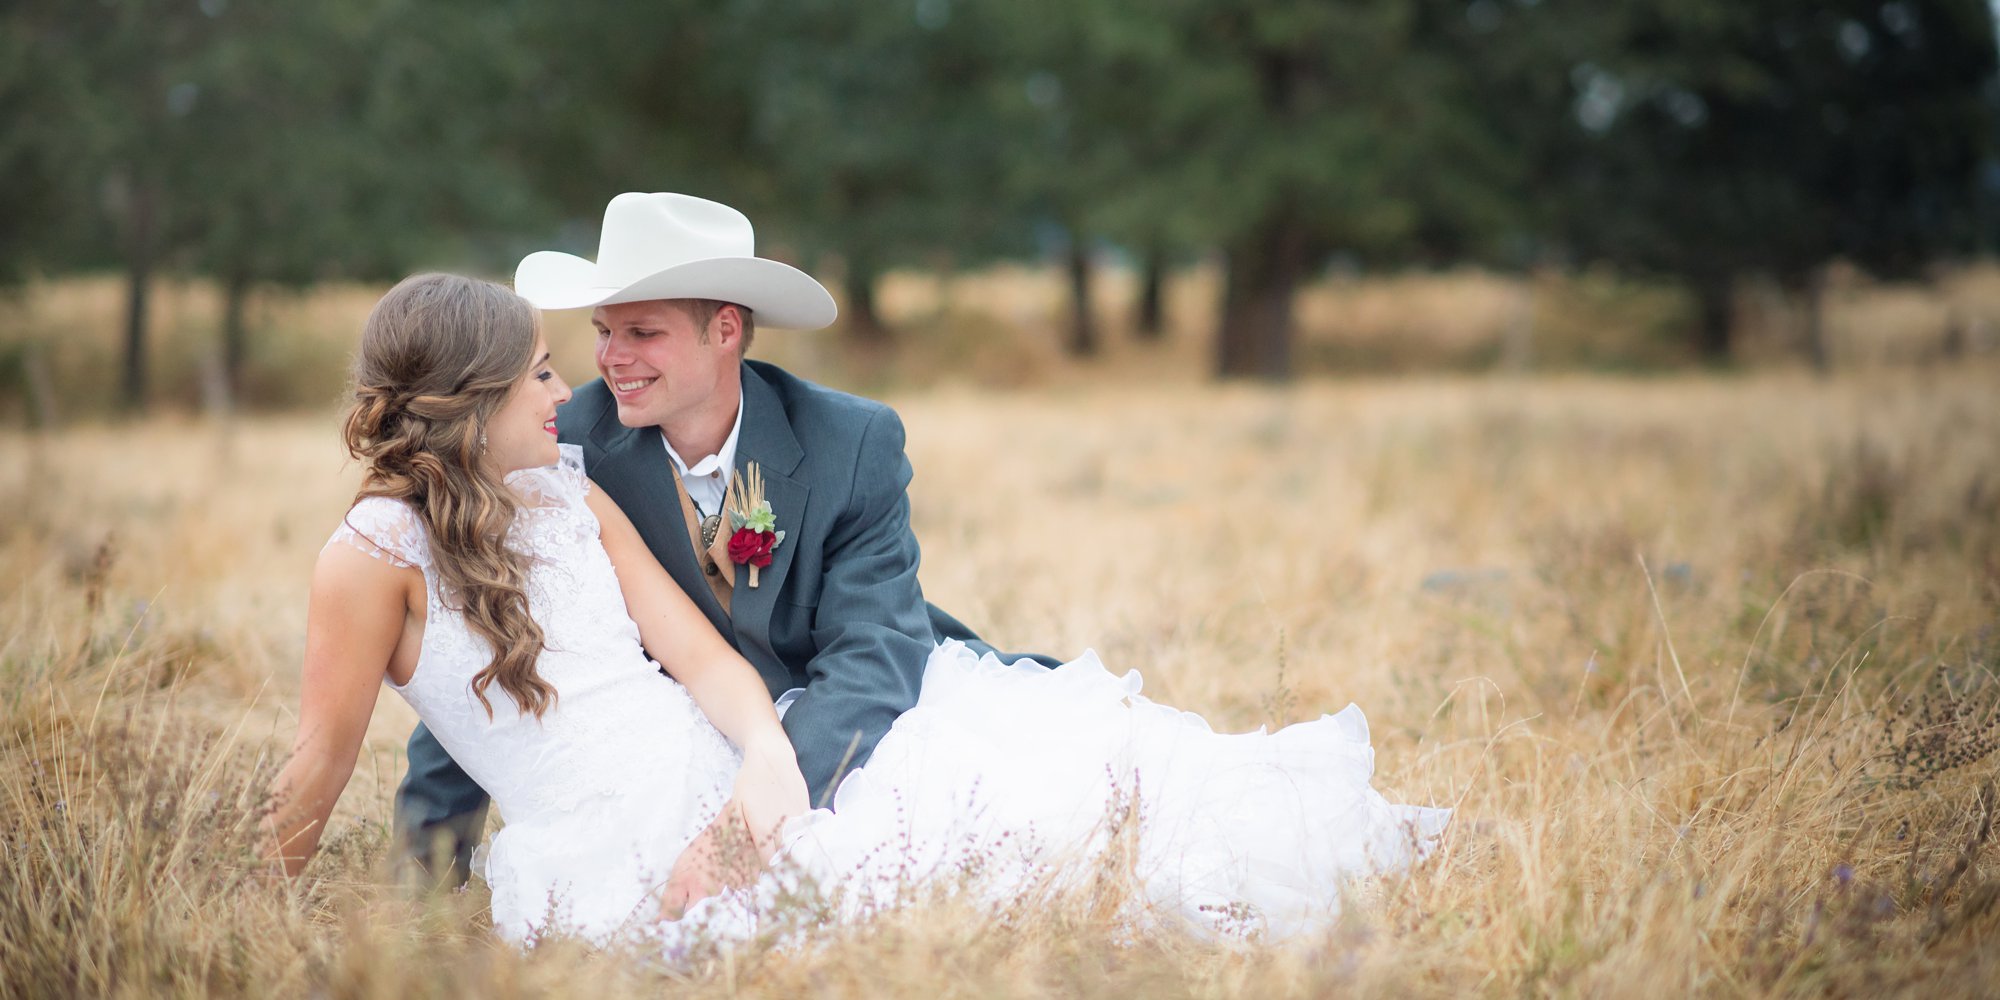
(731, 328)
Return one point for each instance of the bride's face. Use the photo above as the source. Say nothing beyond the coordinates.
(522, 435)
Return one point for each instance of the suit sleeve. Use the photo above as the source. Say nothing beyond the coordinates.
(872, 629)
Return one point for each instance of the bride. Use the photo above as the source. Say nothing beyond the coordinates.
(484, 579)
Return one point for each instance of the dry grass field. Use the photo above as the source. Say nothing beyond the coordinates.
(1705, 662)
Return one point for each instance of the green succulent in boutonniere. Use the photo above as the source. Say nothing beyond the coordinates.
(754, 524)
(760, 519)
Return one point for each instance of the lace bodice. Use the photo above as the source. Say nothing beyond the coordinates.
(615, 713)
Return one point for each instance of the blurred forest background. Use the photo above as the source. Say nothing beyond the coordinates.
(1269, 187)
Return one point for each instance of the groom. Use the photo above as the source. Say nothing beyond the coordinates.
(833, 611)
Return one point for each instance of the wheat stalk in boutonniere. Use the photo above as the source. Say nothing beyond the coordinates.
(754, 525)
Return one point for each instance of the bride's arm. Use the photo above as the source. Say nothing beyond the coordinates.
(353, 622)
(769, 788)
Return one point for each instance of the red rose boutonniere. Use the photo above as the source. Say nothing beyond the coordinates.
(755, 527)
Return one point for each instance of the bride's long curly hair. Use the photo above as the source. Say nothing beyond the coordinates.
(439, 356)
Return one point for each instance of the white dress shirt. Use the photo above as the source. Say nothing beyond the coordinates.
(708, 480)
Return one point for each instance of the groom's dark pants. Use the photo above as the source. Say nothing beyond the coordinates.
(438, 837)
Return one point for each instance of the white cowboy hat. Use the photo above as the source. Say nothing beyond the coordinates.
(676, 246)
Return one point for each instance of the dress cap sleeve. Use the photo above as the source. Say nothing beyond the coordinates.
(387, 529)
(558, 485)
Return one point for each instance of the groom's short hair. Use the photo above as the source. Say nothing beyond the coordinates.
(702, 312)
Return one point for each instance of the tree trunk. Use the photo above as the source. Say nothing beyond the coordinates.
(235, 335)
(864, 324)
(1151, 277)
(1517, 342)
(1082, 328)
(1812, 292)
(1953, 345)
(41, 388)
(1715, 298)
(1255, 340)
(139, 250)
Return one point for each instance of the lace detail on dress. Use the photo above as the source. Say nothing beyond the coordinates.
(560, 485)
(554, 519)
(387, 529)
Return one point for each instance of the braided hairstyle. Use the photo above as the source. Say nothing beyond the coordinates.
(440, 354)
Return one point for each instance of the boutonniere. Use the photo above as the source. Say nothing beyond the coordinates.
(754, 526)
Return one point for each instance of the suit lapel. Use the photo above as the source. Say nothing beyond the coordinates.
(767, 440)
(635, 466)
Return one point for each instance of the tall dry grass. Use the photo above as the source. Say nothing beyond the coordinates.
(1703, 662)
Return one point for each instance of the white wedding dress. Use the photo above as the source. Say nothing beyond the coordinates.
(1001, 779)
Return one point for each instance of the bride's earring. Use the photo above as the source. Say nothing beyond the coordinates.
(482, 442)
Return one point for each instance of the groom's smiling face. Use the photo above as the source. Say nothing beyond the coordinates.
(662, 369)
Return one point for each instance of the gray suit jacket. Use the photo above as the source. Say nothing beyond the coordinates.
(838, 612)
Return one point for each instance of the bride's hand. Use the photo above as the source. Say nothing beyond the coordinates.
(740, 842)
(769, 790)
(719, 857)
